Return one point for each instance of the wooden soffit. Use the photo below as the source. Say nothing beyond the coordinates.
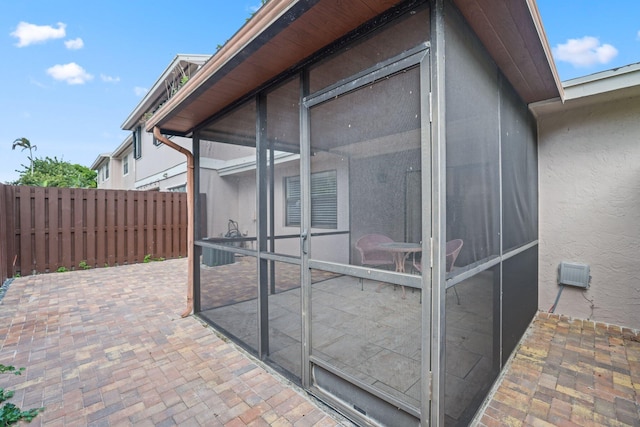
(512, 33)
(285, 32)
(281, 34)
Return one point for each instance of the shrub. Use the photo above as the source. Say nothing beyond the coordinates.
(10, 413)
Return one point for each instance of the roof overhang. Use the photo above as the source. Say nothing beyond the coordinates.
(124, 147)
(513, 34)
(598, 88)
(284, 33)
(99, 161)
(181, 64)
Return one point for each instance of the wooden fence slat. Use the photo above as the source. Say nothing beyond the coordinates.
(181, 245)
(41, 261)
(26, 255)
(131, 225)
(175, 225)
(79, 250)
(101, 229)
(66, 229)
(166, 224)
(141, 232)
(111, 228)
(53, 229)
(12, 239)
(91, 229)
(13, 219)
(160, 220)
(121, 257)
(5, 250)
(149, 223)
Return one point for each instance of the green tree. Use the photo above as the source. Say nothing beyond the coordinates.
(50, 172)
(26, 145)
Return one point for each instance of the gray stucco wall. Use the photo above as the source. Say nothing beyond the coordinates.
(589, 175)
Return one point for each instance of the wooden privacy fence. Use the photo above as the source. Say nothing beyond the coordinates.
(46, 229)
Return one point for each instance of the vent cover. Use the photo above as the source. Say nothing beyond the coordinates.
(574, 274)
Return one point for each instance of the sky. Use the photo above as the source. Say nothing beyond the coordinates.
(74, 70)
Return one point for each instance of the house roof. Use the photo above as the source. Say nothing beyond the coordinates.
(124, 147)
(605, 86)
(99, 161)
(117, 153)
(169, 80)
(513, 34)
(283, 33)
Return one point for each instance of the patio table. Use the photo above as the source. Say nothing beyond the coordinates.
(400, 252)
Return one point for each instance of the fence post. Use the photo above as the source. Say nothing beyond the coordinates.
(5, 259)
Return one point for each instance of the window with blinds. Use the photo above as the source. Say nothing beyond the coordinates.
(324, 200)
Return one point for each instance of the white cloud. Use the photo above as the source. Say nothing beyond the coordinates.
(109, 79)
(30, 33)
(584, 52)
(638, 35)
(74, 44)
(71, 73)
(140, 91)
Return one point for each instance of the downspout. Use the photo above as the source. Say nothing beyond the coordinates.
(190, 225)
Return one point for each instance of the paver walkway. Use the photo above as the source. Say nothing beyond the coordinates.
(569, 373)
(107, 347)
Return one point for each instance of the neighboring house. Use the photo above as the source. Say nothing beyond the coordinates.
(140, 162)
(123, 165)
(102, 165)
(116, 170)
(589, 171)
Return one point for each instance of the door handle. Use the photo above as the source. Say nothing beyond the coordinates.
(303, 241)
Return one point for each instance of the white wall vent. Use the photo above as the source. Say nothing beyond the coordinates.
(574, 274)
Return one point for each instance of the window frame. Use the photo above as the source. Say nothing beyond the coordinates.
(324, 200)
(137, 143)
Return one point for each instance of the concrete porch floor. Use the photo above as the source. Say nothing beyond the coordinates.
(108, 347)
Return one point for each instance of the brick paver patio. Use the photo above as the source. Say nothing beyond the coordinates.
(107, 347)
(569, 373)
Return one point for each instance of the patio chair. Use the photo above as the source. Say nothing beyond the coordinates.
(452, 250)
(371, 255)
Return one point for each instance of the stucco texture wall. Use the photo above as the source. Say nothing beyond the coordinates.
(589, 176)
(158, 158)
